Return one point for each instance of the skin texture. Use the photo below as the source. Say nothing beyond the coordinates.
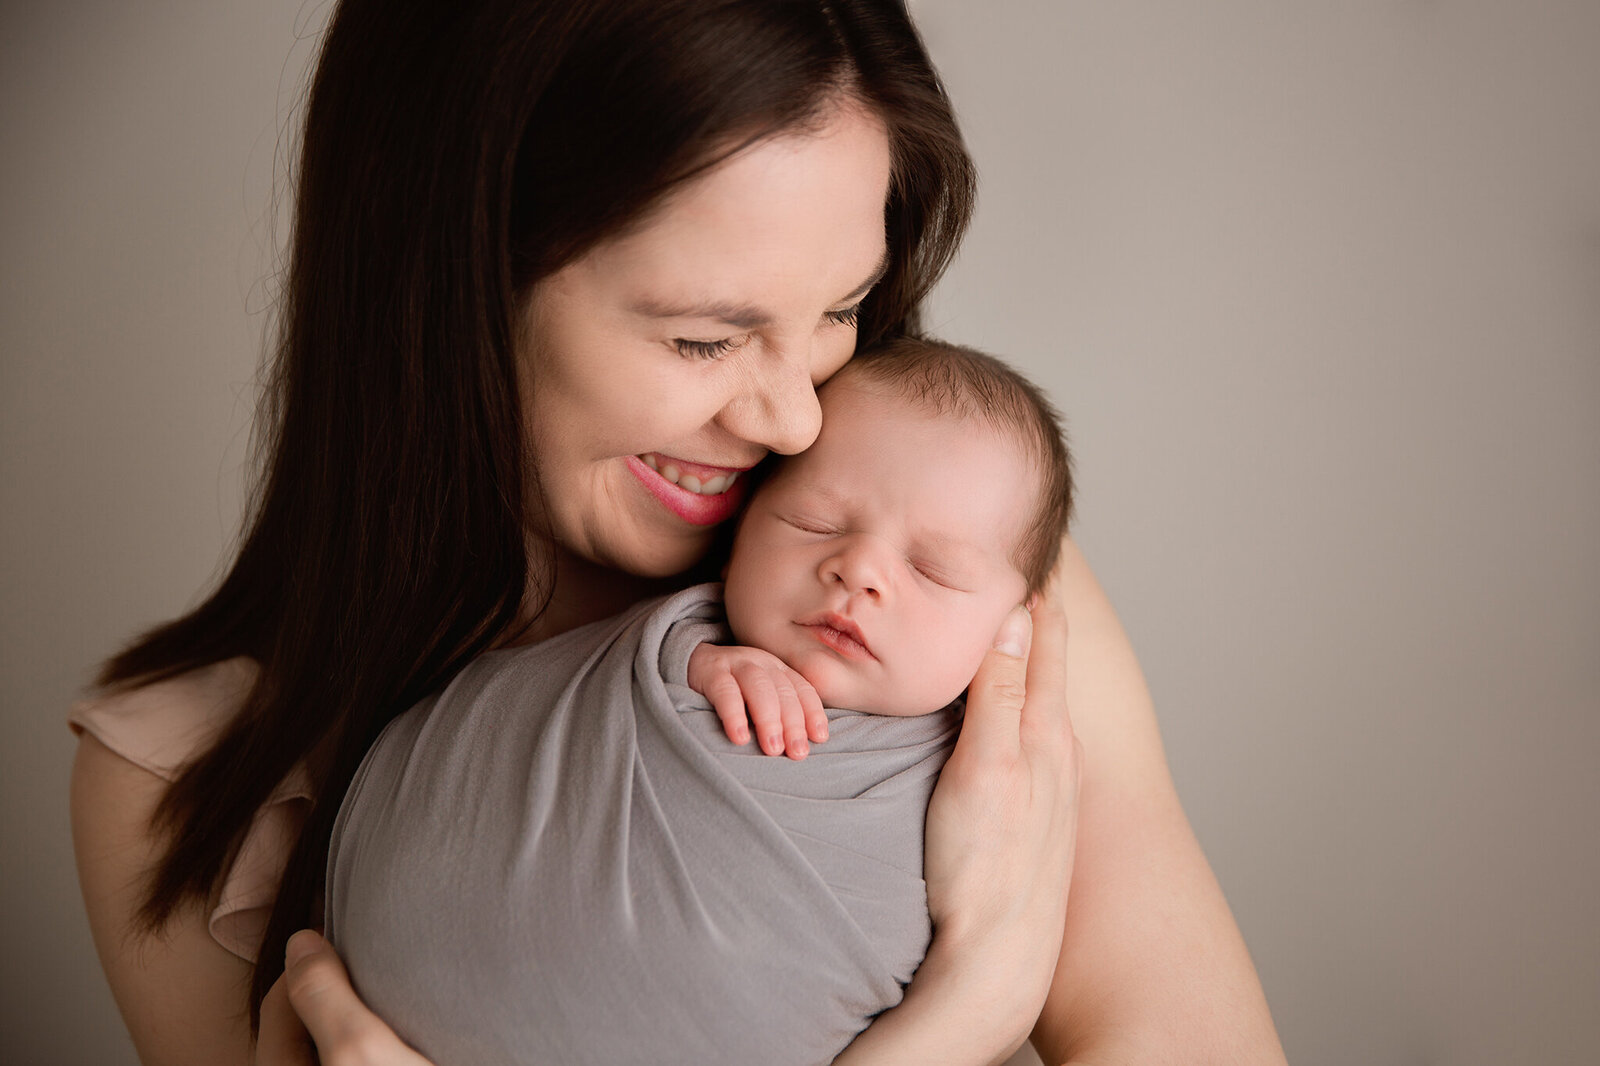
(1152, 969)
(899, 522)
(631, 349)
(163, 985)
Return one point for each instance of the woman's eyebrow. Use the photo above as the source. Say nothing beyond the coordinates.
(739, 316)
(872, 279)
(743, 316)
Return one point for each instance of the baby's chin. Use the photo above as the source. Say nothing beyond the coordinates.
(854, 699)
(851, 687)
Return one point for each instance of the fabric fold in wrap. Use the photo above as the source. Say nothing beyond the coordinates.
(560, 858)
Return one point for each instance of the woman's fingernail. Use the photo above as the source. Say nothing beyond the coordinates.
(303, 943)
(1013, 636)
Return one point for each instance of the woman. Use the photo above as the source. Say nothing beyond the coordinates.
(535, 245)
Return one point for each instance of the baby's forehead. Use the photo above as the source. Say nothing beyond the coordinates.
(856, 414)
(852, 400)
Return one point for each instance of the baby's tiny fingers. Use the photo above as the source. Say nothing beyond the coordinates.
(811, 705)
(761, 701)
(794, 718)
(726, 699)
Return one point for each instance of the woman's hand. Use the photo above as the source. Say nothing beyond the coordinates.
(312, 1015)
(1002, 826)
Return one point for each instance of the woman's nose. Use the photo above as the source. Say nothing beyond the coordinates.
(778, 408)
(860, 565)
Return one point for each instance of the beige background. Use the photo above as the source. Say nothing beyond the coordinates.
(1319, 286)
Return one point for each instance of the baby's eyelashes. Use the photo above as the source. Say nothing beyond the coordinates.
(807, 525)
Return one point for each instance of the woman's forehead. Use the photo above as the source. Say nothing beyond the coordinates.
(792, 215)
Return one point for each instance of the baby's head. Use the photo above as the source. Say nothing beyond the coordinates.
(880, 563)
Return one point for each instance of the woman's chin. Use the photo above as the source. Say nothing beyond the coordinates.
(660, 558)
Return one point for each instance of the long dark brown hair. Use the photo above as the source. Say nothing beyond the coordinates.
(454, 153)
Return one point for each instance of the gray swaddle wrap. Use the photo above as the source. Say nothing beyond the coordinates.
(561, 859)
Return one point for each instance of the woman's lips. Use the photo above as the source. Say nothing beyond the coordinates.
(696, 508)
(841, 634)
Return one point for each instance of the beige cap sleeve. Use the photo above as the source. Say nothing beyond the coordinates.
(161, 727)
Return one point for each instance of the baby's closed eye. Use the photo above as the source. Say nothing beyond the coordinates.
(807, 524)
(937, 574)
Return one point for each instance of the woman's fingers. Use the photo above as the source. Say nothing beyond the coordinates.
(282, 1040)
(1000, 688)
(345, 1032)
(1048, 718)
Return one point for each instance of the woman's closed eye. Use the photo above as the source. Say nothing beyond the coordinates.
(694, 349)
(716, 349)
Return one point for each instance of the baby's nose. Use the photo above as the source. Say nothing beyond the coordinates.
(861, 565)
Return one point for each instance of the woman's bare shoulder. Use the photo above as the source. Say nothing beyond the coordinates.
(181, 994)
(183, 991)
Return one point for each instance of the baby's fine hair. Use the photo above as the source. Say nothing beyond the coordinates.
(961, 382)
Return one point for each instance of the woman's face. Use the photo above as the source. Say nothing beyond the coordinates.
(670, 359)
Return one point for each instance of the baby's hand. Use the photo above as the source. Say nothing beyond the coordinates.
(741, 682)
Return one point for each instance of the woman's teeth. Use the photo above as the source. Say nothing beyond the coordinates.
(713, 486)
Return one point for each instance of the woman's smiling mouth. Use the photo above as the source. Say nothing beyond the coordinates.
(696, 477)
(699, 494)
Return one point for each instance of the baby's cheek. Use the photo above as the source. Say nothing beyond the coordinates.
(962, 659)
(825, 676)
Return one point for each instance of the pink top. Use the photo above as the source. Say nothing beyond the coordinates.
(161, 727)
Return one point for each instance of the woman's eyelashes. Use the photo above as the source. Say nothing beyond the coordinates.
(708, 349)
(848, 317)
(695, 349)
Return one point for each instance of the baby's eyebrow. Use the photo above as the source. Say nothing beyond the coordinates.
(951, 548)
(959, 548)
(821, 497)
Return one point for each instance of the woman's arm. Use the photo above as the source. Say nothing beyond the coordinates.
(1152, 966)
(182, 995)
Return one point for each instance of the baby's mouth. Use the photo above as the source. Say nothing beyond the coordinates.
(839, 633)
(697, 478)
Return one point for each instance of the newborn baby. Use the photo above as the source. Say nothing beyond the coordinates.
(572, 853)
